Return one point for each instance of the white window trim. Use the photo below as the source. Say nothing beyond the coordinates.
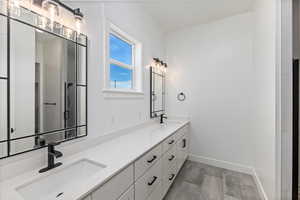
(137, 76)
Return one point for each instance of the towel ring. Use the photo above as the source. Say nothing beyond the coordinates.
(181, 96)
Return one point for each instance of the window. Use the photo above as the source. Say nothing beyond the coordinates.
(123, 69)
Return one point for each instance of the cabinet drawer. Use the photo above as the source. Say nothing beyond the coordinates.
(147, 183)
(113, 189)
(148, 160)
(157, 194)
(168, 179)
(169, 159)
(179, 134)
(168, 143)
(129, 195)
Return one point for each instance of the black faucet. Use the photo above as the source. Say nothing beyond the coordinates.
(162, 117)
(52, 153)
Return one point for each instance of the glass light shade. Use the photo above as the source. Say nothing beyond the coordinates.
(78, 24)
(14, 7)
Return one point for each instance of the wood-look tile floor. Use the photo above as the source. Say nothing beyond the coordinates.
(197, 181)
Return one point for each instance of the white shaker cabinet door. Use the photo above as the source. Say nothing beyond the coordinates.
(147, 183)
(129, 195)
(114, 188)
(157, 194)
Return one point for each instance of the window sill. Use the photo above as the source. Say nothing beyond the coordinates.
(115, 93)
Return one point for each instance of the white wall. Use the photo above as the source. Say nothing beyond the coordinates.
(227, 70)
(212, 64)
(264, 63)
(105, 113)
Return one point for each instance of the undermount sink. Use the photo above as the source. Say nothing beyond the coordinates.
(60, 183)
(169, 123)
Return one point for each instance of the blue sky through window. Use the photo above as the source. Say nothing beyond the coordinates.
(121, 51)
(120, 77)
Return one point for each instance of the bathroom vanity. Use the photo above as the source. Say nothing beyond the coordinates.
(140, 164)
(151, 175)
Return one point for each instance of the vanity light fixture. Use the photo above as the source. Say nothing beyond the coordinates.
(53, 8)
(48, 15)
(159, 65)
(78, 19)
(156, 63)
(165, 66)
(14, 7)
(156, 60)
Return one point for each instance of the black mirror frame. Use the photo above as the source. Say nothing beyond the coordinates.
(33, 136)
(154, 113)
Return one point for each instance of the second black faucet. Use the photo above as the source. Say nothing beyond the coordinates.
(52, 153)
(162, 117)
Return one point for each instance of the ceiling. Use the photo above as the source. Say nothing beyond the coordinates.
(172, 15)
(176, 14)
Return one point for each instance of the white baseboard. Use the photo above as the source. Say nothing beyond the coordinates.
(261, 190)
(222, 164)
(231, 166)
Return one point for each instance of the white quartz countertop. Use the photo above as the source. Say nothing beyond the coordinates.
(115, 154)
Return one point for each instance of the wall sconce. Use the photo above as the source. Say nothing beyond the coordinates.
(48, 15)
(159, 65)
(53, 8)
(14, 7)
(165, 66)
(78, 20)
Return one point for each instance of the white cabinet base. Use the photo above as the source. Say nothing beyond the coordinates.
(149, 177)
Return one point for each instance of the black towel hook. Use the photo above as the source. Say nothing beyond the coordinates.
(181, 96)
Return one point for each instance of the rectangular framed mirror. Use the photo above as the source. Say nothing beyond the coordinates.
(43, 87)
(157, 93)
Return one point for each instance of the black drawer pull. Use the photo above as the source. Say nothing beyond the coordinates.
(50, 104)
(153, 181)
(184, 143)
(150, 161)
(171, 142)
(172, 157)
(172, 177)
